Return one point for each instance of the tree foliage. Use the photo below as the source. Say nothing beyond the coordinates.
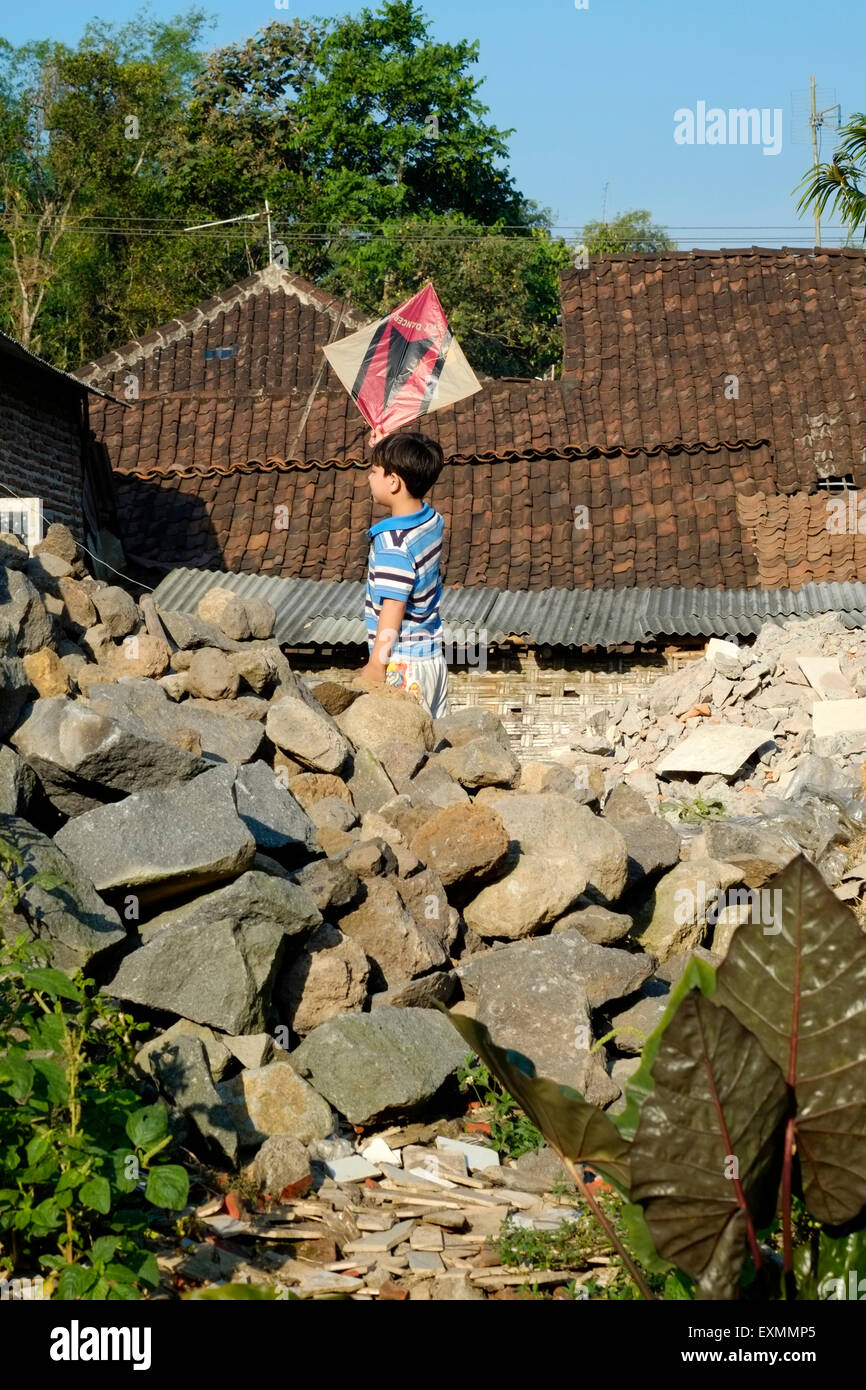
(367, 139)
(840, 183)
(628, 232)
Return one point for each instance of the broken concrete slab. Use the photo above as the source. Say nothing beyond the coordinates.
(838, 717)
(823, 674)
(721, 748)
(477, 1157)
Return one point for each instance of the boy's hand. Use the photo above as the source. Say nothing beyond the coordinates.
(371, 674)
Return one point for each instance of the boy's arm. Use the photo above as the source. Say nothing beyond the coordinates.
(390, 621)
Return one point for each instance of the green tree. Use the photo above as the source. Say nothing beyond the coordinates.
(628, 232)
(840, 183)
(83, 135)
(368, 139)
(500, 290)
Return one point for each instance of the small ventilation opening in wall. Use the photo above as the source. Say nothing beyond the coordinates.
(22, 517)
(844, 483)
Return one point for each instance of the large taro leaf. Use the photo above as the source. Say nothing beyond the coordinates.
(802, 991)
(718, 1097)
(697, 975)
(573, 1127)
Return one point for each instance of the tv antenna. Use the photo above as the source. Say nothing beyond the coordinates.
(245, 217)
(817, 117)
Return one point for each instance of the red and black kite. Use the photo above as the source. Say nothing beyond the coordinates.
(403, 366)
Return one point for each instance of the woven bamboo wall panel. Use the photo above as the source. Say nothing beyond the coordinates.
(543, 702)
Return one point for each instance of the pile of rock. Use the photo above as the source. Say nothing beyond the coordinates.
(283, 878)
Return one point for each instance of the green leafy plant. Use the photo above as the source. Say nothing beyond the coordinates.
(80, 1184)
(696, 810)
(757, 1120)
(511, 1132)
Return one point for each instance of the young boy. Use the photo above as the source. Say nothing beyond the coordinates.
(404, 630)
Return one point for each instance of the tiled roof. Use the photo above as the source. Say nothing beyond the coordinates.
(667, 517)
(276, 322)
(702, 395)
(655, 341)
(802, 537)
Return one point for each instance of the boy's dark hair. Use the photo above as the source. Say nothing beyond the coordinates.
(414, 457)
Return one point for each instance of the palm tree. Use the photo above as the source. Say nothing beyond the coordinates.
(842, 182)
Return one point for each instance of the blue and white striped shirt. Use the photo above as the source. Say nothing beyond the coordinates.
(404, 564)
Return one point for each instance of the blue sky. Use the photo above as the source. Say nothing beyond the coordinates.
(591, 95)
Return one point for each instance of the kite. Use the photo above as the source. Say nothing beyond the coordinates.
(404, 366)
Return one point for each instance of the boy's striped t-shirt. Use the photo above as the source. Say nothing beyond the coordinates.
(403, 563)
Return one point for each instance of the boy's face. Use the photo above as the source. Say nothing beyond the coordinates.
(384, 486)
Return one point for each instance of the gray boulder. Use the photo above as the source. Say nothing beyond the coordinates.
(71, 918)
(17, 783)
(636, 1023)
(253, 900)
(117, 610)
(186, 835)
(401, 760)
(271, 1100)
(676, 917)
(531, 1002)
(554, 826)
(481, 762)
(436, 785)
(329, 882)
(368, 782)
(603, 973)
(189, 632)
(219, 1058)
(215, 972)
(327, 977)
(83, 758)
(181, 1069)
(424, 993)
(464, 725)
(388, 1062)
(15, 691)
(596, 923)
(759, 850)
(226, 738)
(651, 843)
(22, 608)
(271, 814)
(307, 734)
(281, 1163)
(378, 717)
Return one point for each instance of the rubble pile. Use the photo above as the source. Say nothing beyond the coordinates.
(284, 877)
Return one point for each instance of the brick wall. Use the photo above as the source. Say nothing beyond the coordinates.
(40, 443)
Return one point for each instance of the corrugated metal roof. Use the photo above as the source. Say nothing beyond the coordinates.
(313, 613)
(13, 348)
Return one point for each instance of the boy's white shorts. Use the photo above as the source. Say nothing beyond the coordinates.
(424, 677)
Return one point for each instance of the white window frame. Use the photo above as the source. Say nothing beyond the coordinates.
(31, 509)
